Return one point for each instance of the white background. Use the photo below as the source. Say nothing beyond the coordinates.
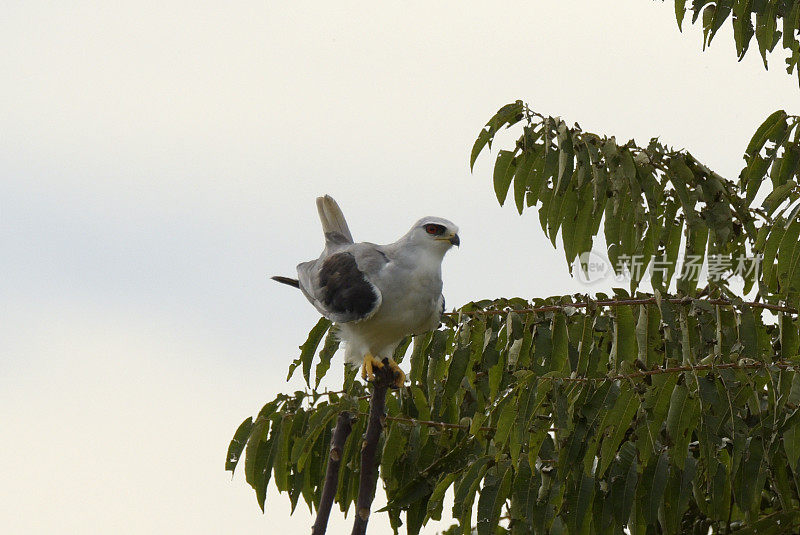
(159, 160)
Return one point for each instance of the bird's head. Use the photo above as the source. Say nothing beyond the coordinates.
(435, 233)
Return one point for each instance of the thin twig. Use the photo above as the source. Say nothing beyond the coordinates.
(344, 425)
(676, 369)
(441, 425)
(623, 302)
(431, 423)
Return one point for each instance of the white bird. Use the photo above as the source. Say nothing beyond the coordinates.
(377, 294)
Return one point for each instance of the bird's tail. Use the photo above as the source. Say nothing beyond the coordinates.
(287, 280)
(332, 219)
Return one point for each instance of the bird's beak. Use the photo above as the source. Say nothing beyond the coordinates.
(454, 240)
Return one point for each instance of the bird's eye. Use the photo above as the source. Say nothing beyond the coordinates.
(434, 229)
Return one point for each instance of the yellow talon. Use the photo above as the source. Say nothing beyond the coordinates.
(399, 375)
(370, 362)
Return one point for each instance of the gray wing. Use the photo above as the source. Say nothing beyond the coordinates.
(340, 283)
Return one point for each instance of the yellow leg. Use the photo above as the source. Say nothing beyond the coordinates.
(370, 362)
(399, 375)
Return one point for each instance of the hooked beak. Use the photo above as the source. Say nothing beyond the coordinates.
(454, 240)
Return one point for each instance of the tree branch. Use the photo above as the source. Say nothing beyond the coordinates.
(384, 377)
(344, 425)
(625, 302)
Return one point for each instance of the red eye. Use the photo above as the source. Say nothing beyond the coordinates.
(432, 229)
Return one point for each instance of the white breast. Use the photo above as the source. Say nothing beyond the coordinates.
(411, 303)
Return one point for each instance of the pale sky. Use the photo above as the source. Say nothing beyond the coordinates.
(159, 160)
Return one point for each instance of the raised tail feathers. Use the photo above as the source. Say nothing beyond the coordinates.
(333, 222)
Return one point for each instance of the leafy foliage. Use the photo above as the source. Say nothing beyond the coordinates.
(656, 202)
(557, 414)
(632, 414)
(770, 21)
(567, 414)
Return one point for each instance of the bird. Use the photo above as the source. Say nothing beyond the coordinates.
(377, 294)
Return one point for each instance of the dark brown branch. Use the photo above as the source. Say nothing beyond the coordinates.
(440, 425)
(431, 423)
(384, 377)
(677, 369)
(624, 302)
(344, 425)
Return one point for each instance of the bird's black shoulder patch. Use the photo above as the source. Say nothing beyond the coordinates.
(344, 288)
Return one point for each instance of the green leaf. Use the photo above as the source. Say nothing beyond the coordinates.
(680, 419)
(681, 177)
(624, 341)
(748, 334)
(583, 511)
(308, 349)
(680, 11)
(436, 363)
(581, 232)
(747, 477)
(504, 422)
(770, 254)
(422, 483)
(788, 165)
(317, 423)
(495, 491)
(658, 399)
(666, 270)
(523, 496)
(777, 196)
(765, 30)
(467, 485)
(259, 455)
(237, 444)
(791, 444)
(560, 343)
(694, 256)
(437, 497)
(419, 358)
(585, 348)
(762, 133)
(659, 484)
(421, 403)
(507, 115)
(504, 169)
(774, 524)
(326, 353)
(566, 163)
(648, 337)
(393, 449)
(619, 418)
(599, 173)
(790, 337)
(281, 458)
(456, 370)
(570, 211)
(628, 470)
(521, 178)
(484, 137)
(788, 259)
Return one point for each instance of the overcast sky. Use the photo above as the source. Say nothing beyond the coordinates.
(159, 160)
